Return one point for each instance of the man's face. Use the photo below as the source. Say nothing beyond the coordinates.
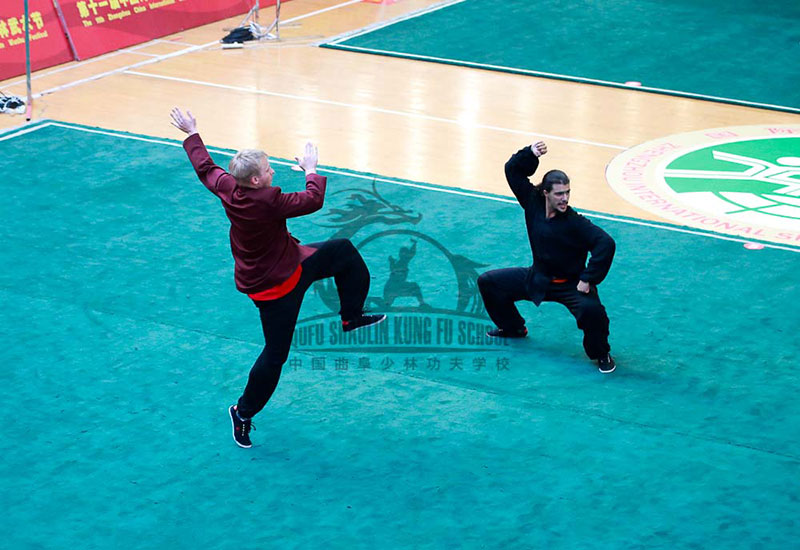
(264, 177)
(558, 197)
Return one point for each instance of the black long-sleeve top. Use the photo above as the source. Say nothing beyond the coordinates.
(561, 244)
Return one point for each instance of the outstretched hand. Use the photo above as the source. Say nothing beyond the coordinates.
(539, 148)
(310, 158)
(185, 123)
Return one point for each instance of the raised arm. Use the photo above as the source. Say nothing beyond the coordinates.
(291, 205)
(186, 123)
(305, 202)
(212, 176)
(520, 167)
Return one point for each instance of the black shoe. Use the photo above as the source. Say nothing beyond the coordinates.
(362, 321)
(241, 429)
(503, 333)
(606, 364)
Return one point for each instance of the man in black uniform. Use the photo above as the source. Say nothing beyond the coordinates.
(561, 239)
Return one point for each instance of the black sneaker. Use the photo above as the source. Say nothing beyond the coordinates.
(503, 333)
(362, 321)
(241, 429)
(606, 364)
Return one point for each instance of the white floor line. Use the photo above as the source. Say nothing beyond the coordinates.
(74, 65)
(652, 225)
(380, 110)
(165, 41)
(163, 57)
(122, 69)
(568, 78)
(324, 10)
(381, 24)
(103, 57)
(20, 131)
(132, 52)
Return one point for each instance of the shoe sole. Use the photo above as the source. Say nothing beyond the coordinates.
(607, 371)
(369, 325)
(233, 425)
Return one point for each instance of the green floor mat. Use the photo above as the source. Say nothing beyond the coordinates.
(125, 340)
(734, 52)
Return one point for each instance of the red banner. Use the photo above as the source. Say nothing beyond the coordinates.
(100, 26)
(48, 44)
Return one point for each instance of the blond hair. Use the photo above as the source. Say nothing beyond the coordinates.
(245, 164)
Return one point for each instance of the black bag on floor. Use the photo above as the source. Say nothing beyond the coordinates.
(239, 34)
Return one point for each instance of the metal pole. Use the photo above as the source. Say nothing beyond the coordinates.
(29, 108)
(252, 13)
(278, 20)
(275, 25)
(65, 28)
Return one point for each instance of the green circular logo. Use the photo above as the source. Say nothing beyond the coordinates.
(743, 181)
(759, 176)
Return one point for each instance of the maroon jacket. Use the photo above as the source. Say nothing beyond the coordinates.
(263, 250)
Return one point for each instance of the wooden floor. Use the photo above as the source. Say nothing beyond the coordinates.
(421, 121)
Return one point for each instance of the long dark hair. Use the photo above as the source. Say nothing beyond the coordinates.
(550, 179)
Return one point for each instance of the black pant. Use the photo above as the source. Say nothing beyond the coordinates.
(502, 287)
(338, 259)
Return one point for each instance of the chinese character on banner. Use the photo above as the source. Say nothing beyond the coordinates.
(479, 363)
(410, 363)
(363, 363)
(295, 363)
(13, 24)
(433, 363)
(342, 363)
(387, 363)
(317, 363)
(3, 29)
(455, 363)
(37, 19)
(502, 363)
(83, 11)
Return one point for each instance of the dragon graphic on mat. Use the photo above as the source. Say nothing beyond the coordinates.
(367, 208)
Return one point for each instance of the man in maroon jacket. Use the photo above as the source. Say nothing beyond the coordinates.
(271, 266)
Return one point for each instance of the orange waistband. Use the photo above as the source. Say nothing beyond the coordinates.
(280, 290)
(558, 281)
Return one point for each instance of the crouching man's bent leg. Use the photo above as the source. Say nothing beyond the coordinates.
(590, 315)
(500, 289)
